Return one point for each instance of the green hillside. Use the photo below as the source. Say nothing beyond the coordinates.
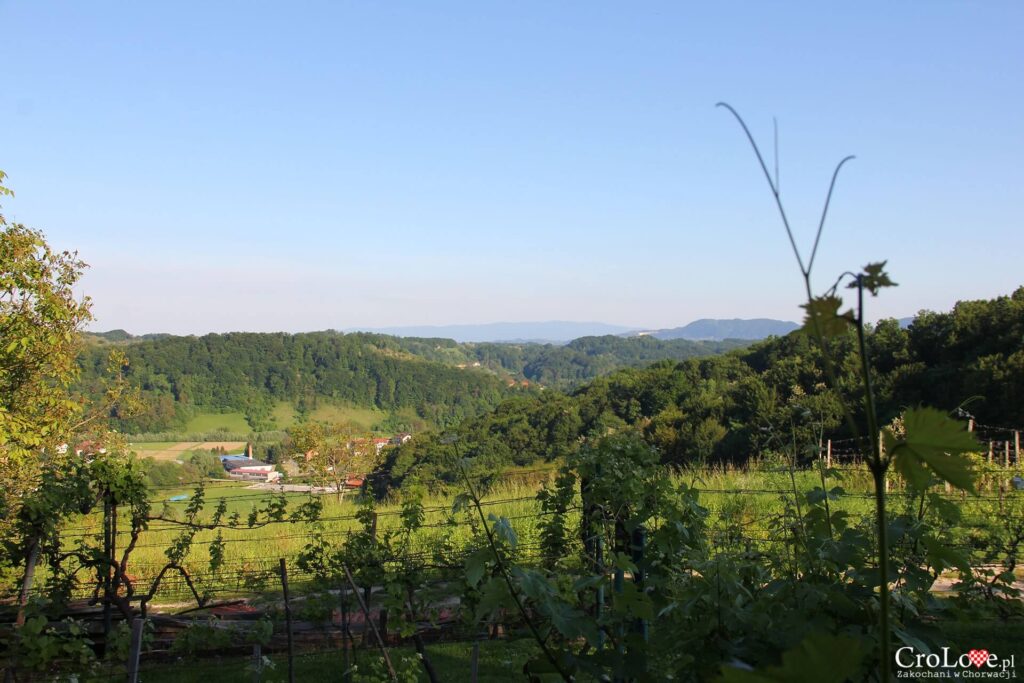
(243, 382)
(552, 365)
(750, 403)
(183, 379)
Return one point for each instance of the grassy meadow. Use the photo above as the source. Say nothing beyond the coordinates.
(210, 426)
(233, 423)
(362, 419)
(178, 450)
(249, 550)
(284, 416)
(745, 508)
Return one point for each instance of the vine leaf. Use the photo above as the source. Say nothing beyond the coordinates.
(476, 566)
(493, 596)
(874, 278)
(503, 530)
(572, 623)
(823, 316)
(461, 503)
(934, 443)
(566, 619)
(942, 557)
(632, 601)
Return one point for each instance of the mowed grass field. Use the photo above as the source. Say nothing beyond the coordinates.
(212, 422)
(363, 419)
(176, 450)
(285, 416)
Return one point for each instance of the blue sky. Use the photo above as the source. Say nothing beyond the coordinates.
(299, 166)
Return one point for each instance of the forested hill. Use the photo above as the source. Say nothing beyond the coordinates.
(706, 328)
(553, 365)
(250, 372)
(752, 402)
(437, 380)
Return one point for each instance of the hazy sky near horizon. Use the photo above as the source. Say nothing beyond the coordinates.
(298, 166)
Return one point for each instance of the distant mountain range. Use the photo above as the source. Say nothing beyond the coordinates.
(549, 332)
(555, 331)
(709, 329)
(561, 331)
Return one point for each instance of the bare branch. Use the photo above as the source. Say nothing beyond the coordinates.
(824, 211)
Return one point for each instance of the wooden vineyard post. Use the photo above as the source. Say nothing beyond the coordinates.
(990, 445)
(881, 449)
(135, 649)
(1006, 466)
(368, 591)
(828, 454)
(108, 554)
(257, 662)
(346, 674)
(1016, 447)
(417, 639)
(288, 622)
(970, 428)
(370, 624)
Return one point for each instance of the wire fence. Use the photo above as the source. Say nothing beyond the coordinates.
(731, 509)
(753, 518)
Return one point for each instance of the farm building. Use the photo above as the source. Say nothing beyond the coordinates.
(244, 466)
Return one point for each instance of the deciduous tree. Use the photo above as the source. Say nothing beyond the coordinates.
(332, 452)
(40, 320)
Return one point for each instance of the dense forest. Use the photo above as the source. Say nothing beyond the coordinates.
(249, 372)
(552, 365)
(441, 380)
(751, 402)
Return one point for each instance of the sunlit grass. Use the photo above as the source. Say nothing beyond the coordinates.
(744, 506)
(211, 422)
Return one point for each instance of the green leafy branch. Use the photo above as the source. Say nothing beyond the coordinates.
(933, 442)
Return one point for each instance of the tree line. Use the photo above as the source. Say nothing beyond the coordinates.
(560, 366)
(249, 372)
(748, 403)
(441, 380)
